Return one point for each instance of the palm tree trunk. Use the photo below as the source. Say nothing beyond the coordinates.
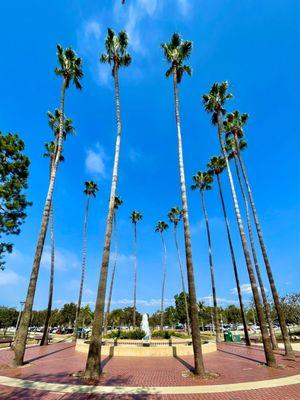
(93, 364)
(237, 280)
(45, 336)
(212, 272)
(134, 277)
(84, 245)
(112, 276)
(285, 335)
(163, 282)
(255, 260)
(21, 338)
(270, 358)
(196, 339)
(182, 282)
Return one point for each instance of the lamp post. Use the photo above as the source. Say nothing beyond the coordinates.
(19, 317)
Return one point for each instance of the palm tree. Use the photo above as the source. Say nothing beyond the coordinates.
(237, 121)
(50, 151)
(70, 69)
(161, 226)
(176, 53)
(175, 216)
(232, 154)
(203, 181)
(135, 217)
(118, 203)
(117, 56)
(90, 189)
(214, 103)
(216, 166)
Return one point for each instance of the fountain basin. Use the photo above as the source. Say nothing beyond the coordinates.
(157, 348)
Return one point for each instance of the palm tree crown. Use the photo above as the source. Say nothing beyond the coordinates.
(118, 202)
(50, 150)
(116, 52)
(53, 121)
(161, 226)
(234, 124)
(216, 165)
(202, 181)
(136, 216)
(175, 215)
(216, 98)
(70, 66)
(176, 52)
(90, 188)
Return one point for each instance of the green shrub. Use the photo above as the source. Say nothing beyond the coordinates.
(181, 335)
(163, 334)
(137, 334)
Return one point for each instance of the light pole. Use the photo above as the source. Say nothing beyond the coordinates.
(19, 317)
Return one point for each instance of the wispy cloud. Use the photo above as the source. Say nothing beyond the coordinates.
(220, 300)
(141, 302)
(245, 288)
(184, 7)
(9, 277)
(64, 259)
(95, 161)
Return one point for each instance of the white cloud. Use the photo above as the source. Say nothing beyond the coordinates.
(141, 302)
(95, 161)
(88, 292)
(208, 300)
(8, 277)
(245, 288)
(133, 155)
(64, 259)
(184, 7)
(91, 29)
(149, 5)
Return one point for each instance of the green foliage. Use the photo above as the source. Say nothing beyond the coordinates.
(70, 66)
(176, 52)
(90, 188)
(162, 334)
(8, 317)
(161, 226)
(175, 215)
(216, 165)
(232, 314)
(136, 216)
(215, 100)
(202, 181)
(136, 334)
(116, 53)
(68, 314)
(85, 316)
(123, 316)
(291, 307)
(14, 170)
(180, 306)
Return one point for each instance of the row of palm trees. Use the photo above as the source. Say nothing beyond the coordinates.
(176, 53)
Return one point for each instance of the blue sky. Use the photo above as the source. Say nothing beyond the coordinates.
(254, 45)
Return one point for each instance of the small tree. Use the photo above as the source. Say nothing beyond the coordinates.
(14, 170)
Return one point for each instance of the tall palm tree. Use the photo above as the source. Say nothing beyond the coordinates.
(176, 53)
(214, 103)
(216, 166)
(70, 69)
(118, 203)
(175, 215)
(232, 154)
(90, 189)
(161, 226)
(117, 56)
(237, 121)
(135, 217)
(50, 151)
(203, 181)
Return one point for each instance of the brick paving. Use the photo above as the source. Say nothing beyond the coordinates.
(233, 363)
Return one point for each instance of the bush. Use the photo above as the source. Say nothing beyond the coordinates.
(181, 335)
(137, 334)
(163, 334)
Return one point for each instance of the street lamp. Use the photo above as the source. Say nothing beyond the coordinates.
(19, 316)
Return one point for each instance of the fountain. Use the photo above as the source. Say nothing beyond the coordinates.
(146, 329)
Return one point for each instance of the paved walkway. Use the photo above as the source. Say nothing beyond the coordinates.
(240, 374)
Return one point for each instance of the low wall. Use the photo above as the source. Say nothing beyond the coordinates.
(123, 350)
